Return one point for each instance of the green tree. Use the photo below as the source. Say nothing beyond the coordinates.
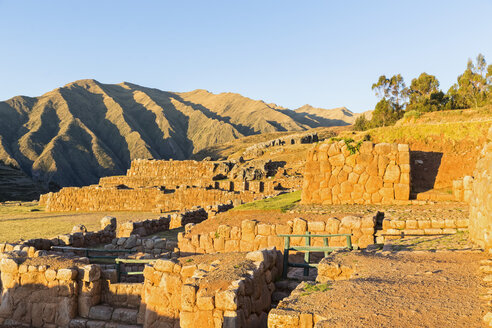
(473, 87)
(424, 94)
(392, 89)
(361, 123)
(385, 114)
(393, 95)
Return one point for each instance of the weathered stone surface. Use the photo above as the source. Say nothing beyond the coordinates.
(91, 272)
(8, 265)
(226, 300)
(66, 274)
(392, 173)
(374, 184)
(278, 318)
(125, 315)
(101, 312)
(481, 197)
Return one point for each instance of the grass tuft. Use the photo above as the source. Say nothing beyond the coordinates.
(312, 288)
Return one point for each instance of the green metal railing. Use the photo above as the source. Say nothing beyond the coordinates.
(308, 249)
(119, 272)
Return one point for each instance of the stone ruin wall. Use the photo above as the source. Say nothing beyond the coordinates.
(252, 235)
(305, 138)
(481, 198)
(147, 200)
(422, 227)
(173, 295)
(111, 231)
(376, 174)
(39, 296)
(75, 239)
(148, 173)
(163, 186)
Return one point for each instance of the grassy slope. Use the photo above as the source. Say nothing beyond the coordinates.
(457, 136)
(455, 125)
(282, 202)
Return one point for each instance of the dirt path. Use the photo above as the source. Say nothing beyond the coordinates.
(403, 289)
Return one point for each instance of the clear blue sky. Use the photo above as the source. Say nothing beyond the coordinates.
(325, 53)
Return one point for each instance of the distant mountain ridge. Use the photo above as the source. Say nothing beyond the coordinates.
(75, 134)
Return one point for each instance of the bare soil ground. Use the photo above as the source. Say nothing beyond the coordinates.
(401, 289)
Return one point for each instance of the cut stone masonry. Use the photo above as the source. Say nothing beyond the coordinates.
(375, 174)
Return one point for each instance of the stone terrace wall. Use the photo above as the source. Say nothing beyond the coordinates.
(253, 235)
(95, 198)
(158, 247)
(149, 199)
(420, 227)
(39, 296)
(163, 186)
(177, 170)
(172, 221)
(305, 138)
(481, 199)
(377, 174)
(145, 173)
(146, 182)
(173, 295)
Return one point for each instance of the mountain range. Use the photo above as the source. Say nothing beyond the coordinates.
(73, 135)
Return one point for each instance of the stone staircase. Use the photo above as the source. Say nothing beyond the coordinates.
(107, 316)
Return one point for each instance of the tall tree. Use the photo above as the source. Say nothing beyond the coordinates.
(473, 86)
(392, 89)
(392, 92)
(424, 94)
(384, 114)
(361, 123)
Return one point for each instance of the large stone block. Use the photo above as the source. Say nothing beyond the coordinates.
(402, 191)
(101, 312)
(392, 173)
(279, 318)
(374, 184)
(382, 148)
(337, 160)
(66, 274)
(226, 300)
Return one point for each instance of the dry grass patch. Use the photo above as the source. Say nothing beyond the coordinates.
(19, 222)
